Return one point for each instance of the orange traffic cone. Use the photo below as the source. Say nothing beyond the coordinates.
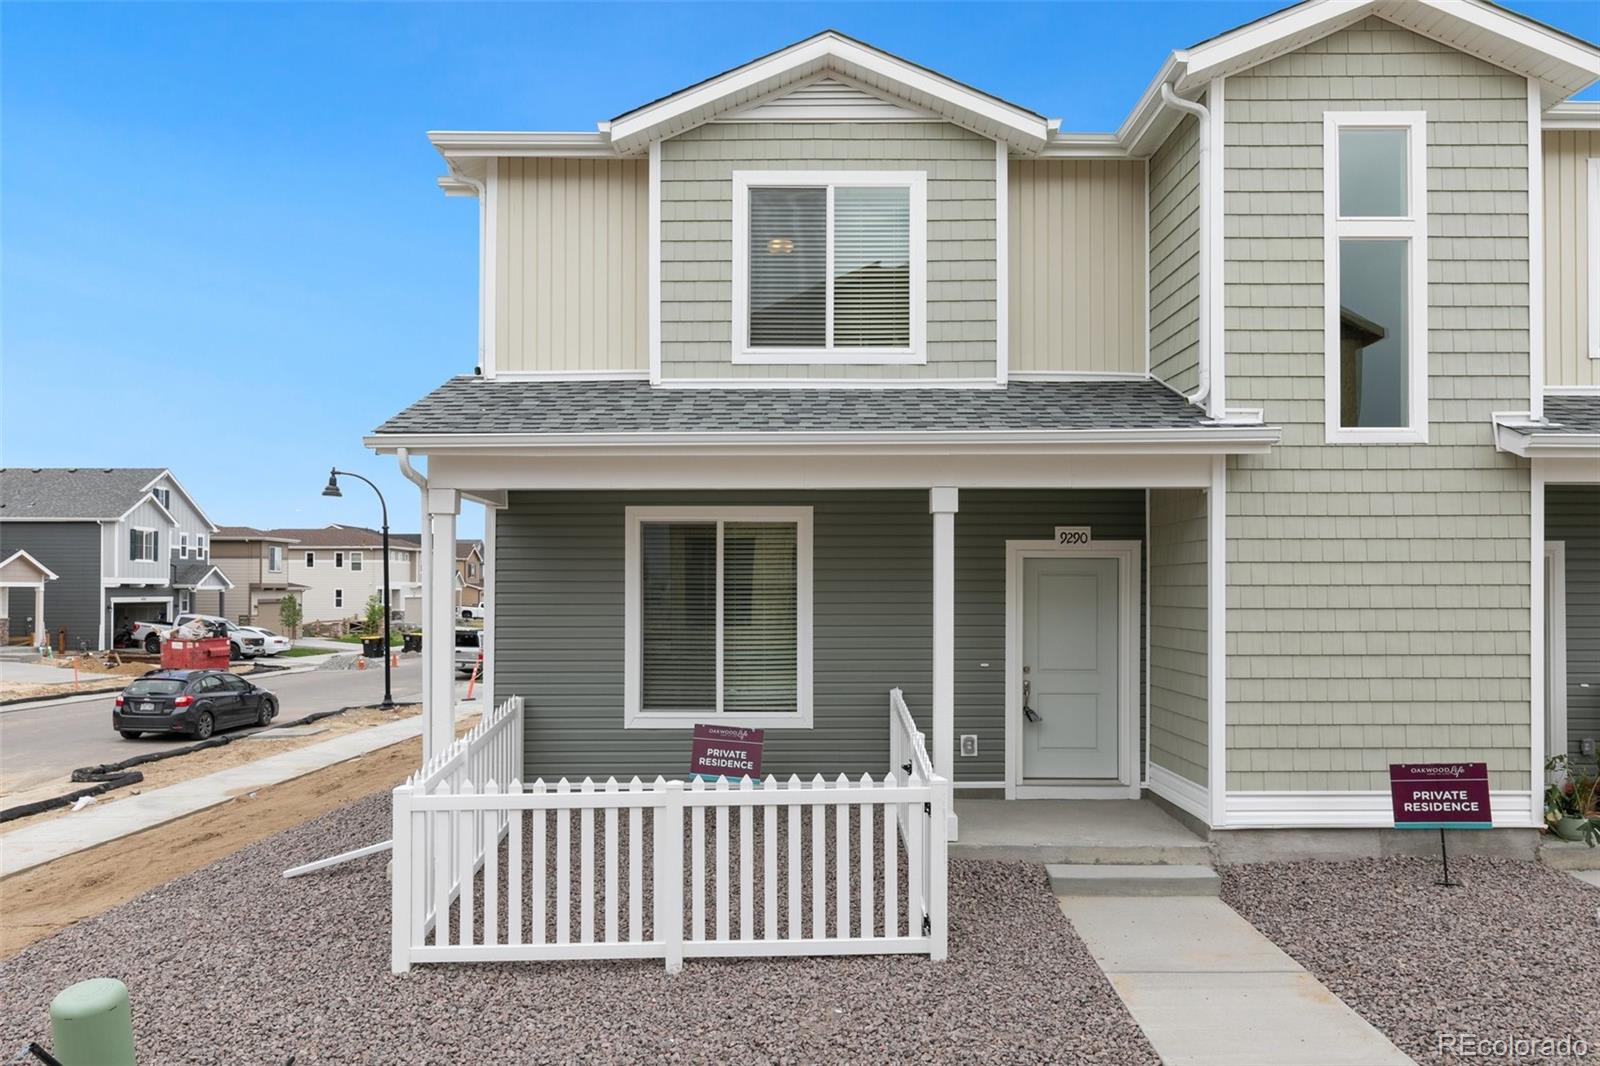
(361, 663)
(394, 660)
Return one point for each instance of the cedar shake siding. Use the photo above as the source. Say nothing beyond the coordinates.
(1179, 737)
(1378, 595)
(1174, 178)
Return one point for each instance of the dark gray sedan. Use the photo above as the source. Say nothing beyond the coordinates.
(196, 702)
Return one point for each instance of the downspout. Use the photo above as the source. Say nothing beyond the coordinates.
(1203, 365)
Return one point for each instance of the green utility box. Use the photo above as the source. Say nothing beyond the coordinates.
(91, 1025)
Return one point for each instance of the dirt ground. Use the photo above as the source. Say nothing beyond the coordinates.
(40, 901)
(207, 761)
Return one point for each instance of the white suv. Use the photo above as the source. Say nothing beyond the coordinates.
(242, 643)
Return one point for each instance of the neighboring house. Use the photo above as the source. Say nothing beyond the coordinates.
(125, 545)
(334, 569)
(255, 560)
(1214, 457)
(469, 573)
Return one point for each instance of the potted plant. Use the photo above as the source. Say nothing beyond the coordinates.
(1569, 801)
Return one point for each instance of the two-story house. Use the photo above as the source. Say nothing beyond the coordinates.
(333, 570)
(125, 544)
(1216, 457)
(255, 560)
(469, 573)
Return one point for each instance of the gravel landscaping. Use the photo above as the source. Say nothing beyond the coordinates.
(234, 964)
(1513, 954)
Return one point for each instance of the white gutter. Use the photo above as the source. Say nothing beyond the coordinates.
(1203, 367)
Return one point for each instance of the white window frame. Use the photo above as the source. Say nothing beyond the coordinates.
(914, 180)
(338, 598)
(357, 561)
(1594, 257)
(275, 553)
(338, 560)
(634, 715)
(155, 546)
(183, 546)
(202, 550)
(163, 497)
(311, 560)
(1412, 227)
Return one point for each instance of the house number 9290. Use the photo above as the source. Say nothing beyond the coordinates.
(1068, 536)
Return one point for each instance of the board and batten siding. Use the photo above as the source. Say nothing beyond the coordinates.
(1377, 595)
(1572, 516)
(1179, 734)
(1077, 268)
(559, 617)
(1175, 258)
(697, 238)
(1568, 257)
(571, 270)
(71, 551)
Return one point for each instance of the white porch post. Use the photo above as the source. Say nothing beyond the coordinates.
(943, 504)
(486, 701)
(41, 632)
(439, 646)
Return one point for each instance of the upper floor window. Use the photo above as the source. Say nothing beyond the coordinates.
(163, 497)
(202, 550)
(338, 558)
(311, 559)
(357, 561)
(718, 616)
(274, 558)
(144, 545)
(183, 545)
(829, 266)
(1376, 276)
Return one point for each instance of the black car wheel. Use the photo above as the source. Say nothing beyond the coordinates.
(203, 725)
(233, 651)
(130, 734)
(152, 644)
(269, 711)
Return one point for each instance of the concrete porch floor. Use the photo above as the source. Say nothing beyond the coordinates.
(1074, 831)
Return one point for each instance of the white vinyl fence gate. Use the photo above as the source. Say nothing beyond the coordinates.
(490, 872)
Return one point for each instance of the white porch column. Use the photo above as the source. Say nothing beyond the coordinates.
(41, 632)
(426, 538)
(439, 644)
(943, 504)
(486, 682)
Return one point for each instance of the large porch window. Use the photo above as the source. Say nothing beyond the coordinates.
(718, 616)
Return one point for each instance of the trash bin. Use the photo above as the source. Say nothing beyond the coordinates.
(413, 642)
(372, 647)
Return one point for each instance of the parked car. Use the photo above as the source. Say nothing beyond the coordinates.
(472, 613)
(275, 644)
(242, 643)
(469, 646)
(196, 702)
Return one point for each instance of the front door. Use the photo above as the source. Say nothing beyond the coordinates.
(1070, 669)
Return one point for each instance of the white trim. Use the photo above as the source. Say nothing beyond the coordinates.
(633, 714)
(653, 263)
(1217, 638)
(1572, 390)
(1127, 553)
(1144, 648)
(155, 534)
(892, 109)
(1356, 810)
(488, 271)
(1536, 650)
(211, 527)
(828, 383)
(1594, 257)
(359, 554)
(1181, 792)
(1555, 669)
(182, 547)
(916, 184)
(49, 575)
(1573, 115)
(1535, 254)
(148, 497)
(573, 375)
(1002, 263)
(1216, 250)
(1412, 228)
(1146, 273)
(1076, 375)
(944, 503)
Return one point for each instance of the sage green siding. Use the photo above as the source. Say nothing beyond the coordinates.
(1378, 595)
(697, 238)
(1572, 516)
(1179, 737)
(1175, 257)
(559, 615)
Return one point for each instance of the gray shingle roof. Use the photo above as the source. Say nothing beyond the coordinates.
(471, 405)
(1572, 414)
(72, 492)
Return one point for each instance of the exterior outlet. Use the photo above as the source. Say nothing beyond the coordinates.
(1587, 747)
(969, 745)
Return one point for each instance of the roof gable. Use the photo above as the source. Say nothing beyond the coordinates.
(828, 97)
(73, 493)
(830, 52)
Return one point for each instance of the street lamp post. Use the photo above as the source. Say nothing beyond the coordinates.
(332, 489)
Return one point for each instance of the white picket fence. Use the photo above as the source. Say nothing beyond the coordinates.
(485, 873)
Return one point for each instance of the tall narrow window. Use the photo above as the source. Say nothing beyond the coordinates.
(719, 616)
(357, 560)
(829, 267)
(1375, 281)
(274, 559)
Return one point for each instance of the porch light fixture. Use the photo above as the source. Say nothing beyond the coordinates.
(332, 489)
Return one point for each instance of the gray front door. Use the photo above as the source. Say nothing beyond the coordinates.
(1070, 669)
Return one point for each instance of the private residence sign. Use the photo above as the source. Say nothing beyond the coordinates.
(725, 751)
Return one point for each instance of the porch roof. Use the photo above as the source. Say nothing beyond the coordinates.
(1570, 429)
(477, 407)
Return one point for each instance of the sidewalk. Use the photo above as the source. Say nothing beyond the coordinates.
(1209, 990)
(26, 848)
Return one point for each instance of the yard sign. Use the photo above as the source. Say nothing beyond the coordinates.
(1450, 795)
(725, 751)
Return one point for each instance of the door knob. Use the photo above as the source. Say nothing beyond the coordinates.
(1027, 691)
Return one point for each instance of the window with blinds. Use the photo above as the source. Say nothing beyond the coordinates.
(719, 614)
(830, 267)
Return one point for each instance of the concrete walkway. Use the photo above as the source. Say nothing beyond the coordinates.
(25, 848)
(1209, 990)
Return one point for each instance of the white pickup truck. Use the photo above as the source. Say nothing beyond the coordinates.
(242, 644)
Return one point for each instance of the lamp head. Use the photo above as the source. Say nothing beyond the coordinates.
(332, 487)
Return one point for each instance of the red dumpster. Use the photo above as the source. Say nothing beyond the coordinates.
(209, 654)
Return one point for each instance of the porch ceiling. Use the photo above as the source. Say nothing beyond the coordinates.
(470, 410)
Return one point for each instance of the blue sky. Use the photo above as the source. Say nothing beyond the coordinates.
(221, 244)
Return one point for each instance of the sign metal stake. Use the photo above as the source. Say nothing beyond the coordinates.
(1444, 858)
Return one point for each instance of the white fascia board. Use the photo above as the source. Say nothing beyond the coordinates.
(211, 527)
(45, 571)
(151, 496)
(1023, 130)
(1573, 115)
(1508, 438)
(1352, 810)
(469, 144)
(1084, 146)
